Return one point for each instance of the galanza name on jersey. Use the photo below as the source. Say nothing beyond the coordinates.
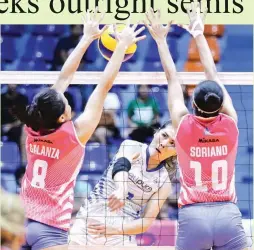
(45, 151)
(208, 151)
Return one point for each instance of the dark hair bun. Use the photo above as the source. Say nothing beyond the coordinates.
(208, 97)
(211, 98)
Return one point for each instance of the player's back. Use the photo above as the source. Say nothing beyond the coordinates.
(207, 151)
(54, 161)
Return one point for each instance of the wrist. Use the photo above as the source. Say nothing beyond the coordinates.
(85, 39)
(197, 28)
(161, 41)
(198, 33)
(123, 45)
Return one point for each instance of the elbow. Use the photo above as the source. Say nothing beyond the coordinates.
(120, 169)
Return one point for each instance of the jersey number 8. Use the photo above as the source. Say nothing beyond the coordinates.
(39, 173)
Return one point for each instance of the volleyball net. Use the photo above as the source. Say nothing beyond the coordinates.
(121, 108)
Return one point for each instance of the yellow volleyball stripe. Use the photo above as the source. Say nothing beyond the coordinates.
(110, 43)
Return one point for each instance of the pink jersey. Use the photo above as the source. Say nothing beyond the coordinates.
(206, 150)
(54, 161)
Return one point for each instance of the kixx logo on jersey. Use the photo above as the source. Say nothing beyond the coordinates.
(139, 183)
(204, 140)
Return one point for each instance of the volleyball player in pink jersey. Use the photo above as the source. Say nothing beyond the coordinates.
(55, 144)
(206, 144)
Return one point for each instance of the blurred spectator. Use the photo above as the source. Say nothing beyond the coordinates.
(108, 124)
(86, 91)
(187, 93)
(12, 221)
(65, 45)
(19, 173)
(143, 115)
(11, 126)
(71, 102)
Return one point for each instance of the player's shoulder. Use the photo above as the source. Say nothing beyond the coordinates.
(131, 146)
(187, 118)
(184, 123)
(229, 122)
(128, 148)
(68, 128)
(228, 119)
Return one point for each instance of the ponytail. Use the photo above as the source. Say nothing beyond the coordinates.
(43, 112)
(29, 115)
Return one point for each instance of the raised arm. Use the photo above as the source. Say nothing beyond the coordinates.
(140, 225)
(88, 121)
(91, 32)
(196, 29)
(159, 33)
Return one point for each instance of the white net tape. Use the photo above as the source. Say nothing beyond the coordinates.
(45, 77)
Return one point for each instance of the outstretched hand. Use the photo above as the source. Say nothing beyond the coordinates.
(197, 20)
(129, 35)
(91, 22)
(157, 30)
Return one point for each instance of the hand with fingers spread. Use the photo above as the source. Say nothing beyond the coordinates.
(129, 34)
(91, 28)
(91, 31)
(197, 20)
(157, 30)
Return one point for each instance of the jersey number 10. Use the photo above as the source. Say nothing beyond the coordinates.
(216, 165)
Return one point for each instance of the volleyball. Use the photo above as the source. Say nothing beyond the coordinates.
(107, 43)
